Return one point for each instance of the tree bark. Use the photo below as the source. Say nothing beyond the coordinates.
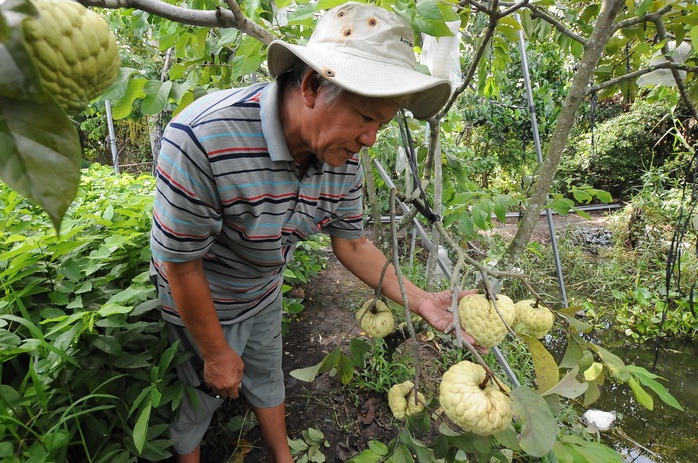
(592, 52)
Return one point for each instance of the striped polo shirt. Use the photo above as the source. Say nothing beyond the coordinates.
(228, 192)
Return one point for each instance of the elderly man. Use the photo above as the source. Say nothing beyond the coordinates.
(244, 174)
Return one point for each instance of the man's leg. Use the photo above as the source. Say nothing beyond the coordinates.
(272, 421)
(194, 413)
(192, 457)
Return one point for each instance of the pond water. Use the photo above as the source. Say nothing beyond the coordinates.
(665, 434)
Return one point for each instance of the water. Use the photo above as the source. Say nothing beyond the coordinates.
(665, 434)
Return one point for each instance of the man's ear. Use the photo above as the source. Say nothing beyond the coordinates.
(309, 87)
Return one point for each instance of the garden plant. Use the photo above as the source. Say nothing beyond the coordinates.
(86, 374)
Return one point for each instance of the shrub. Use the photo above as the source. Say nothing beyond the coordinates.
(623, 148)
(86, 371)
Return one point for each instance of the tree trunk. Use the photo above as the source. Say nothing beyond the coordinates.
(592, 52)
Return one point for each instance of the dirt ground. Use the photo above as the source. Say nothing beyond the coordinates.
(347, 418)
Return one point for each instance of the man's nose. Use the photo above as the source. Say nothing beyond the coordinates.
(368, 136)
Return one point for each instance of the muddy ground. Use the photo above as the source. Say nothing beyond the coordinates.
(347, 417)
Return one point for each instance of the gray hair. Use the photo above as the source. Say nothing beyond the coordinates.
(294, 78)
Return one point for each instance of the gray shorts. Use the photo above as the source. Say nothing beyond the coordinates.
(258, 341)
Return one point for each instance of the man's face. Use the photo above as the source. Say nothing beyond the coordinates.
(340, 128)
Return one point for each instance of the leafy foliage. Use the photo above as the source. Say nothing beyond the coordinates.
(617, 152)
(84, 351)
(84, 356)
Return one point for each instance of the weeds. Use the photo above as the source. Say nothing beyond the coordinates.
(380, 372)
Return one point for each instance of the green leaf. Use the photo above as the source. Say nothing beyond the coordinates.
(167, 358)
(641, 395)
(416, 446)
(429, 9)
(694, 37)
(56, 440)
(401, 455)
(593, 372)
(501, 205)
(328, 4)
(508, 439)
(594, 391)
(585, 451)
(568, 386)
(140, 431)
(134, 90)
(345, 369)
(327, 364)
(648, 379)
(481, 214)
(378, 447)
(156, 96)
(578, 325)
(613, 363)
(561, 205)
(315, 435)
(644, 6)
(40, 154)
(603, 196)
(8, 340)
(367, 456)
(359, 348)
(18, 75)
(249, 56)
(547, 374)
(573, 353)
(538, 425)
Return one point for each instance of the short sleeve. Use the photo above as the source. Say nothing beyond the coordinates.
(351, 210)
(186, 211)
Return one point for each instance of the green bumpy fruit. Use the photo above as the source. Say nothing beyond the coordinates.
(376, 319)
(402, 401)
(479, 318)
(537, 319)
(73, 50)
(482, 411)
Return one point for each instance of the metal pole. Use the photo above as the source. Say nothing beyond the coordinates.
(539, 154)
(112, 137)
(444, 268)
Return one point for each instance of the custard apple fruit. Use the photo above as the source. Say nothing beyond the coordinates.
(483, 411)
(536, 318)
(376, 320)
(402, 402)
(479, 318)
(74, 51)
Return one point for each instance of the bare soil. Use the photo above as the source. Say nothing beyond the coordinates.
(347, 417)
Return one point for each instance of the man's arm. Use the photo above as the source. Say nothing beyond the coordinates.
(366, 261)
(192, 297)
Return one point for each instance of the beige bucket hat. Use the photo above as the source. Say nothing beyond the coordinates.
(366, 50)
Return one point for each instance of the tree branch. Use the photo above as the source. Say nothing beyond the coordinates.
(639, 72)
(651, 17)
(210, 18)
(537, 12)
(680, 85)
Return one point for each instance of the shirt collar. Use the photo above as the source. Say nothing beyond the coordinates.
(271, 124)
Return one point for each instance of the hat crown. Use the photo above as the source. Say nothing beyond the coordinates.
(367, 31)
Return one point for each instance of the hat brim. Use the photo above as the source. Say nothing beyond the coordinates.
(365, 76)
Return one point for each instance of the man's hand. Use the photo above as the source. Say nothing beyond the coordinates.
(434, 308)
(223, 373)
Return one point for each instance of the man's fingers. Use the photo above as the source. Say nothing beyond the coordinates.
(228, 393)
